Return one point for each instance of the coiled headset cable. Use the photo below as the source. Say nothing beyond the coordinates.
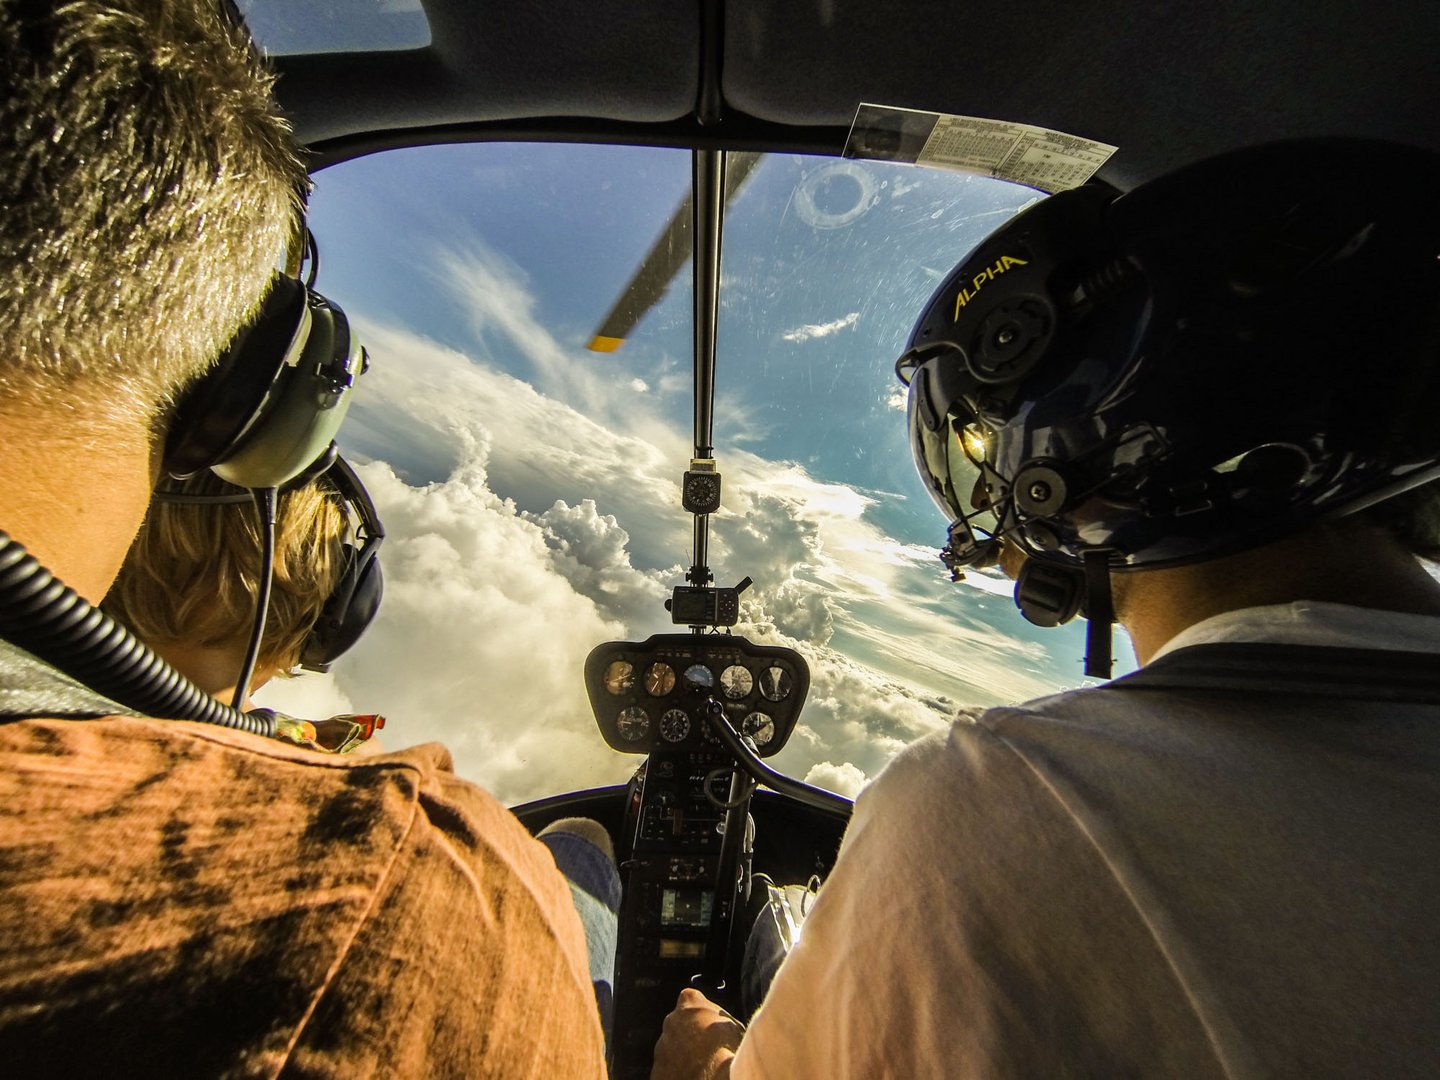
(53, 623)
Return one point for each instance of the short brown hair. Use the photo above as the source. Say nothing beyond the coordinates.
(149, 185)
(193, 573)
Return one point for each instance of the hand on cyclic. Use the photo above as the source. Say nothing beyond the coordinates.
(698, 1041)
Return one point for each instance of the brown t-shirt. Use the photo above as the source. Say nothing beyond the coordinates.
(182, 900)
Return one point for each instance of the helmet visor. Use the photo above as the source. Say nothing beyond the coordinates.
(951, 450)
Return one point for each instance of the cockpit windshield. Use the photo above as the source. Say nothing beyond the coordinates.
(530, 487)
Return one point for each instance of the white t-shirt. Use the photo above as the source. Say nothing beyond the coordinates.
(1137, 882)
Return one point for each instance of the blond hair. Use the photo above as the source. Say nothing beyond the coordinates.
(149, 185)
(193, 573)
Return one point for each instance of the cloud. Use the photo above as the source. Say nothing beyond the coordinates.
(843, 779)
(591, 551)
(818, 330)
(481, 638)
(494, 296)
(857, 715)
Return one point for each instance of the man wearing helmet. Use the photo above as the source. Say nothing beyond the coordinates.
(1207, 407)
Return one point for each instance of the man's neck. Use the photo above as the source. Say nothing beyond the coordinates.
(1344, 563)
(74, 496)
(214, 668)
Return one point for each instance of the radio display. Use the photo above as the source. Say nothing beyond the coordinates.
(686, 907)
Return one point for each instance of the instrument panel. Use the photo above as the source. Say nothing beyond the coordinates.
(650, 695)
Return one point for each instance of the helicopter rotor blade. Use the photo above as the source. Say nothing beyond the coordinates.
(667, 255)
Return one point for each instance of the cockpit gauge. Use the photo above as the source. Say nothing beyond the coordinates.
(656, 696)
(759, 727)
(700, 491)
(699, 677)
(633, 723)
(659, 679)
(736, 682)
(776, 683)
(620, 677)
(674, 725)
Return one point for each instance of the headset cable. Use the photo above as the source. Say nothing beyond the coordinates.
(265, 499)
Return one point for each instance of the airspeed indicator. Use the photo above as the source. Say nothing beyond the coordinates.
(619, 676)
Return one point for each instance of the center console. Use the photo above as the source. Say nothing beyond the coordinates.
(685, 848)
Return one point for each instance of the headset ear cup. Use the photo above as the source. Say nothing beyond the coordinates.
(308, 401)
(275, 400)
(1048, 595)
(222, 407)
(349, 611)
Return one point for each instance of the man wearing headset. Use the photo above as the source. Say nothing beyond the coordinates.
(189, 585)
(1211, 407)
(180, 899)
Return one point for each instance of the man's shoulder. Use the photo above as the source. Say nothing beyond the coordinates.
(1287, 676)
(200, 868)
(303, 801)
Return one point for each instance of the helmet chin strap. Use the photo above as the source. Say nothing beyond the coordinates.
(1100, 611)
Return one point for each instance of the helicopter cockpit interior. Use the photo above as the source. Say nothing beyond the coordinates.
(633, 282)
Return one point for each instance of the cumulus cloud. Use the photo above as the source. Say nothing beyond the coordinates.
(480, 641)
(856, 714)
(591, 551)
(843, 779)
(819, 330)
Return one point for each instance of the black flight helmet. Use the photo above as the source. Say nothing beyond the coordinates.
(1219, 358)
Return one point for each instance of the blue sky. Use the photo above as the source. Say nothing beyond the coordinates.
(530, 488)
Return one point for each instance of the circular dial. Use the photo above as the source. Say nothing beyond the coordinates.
(699, 677)
(674, 725)
(702, 490)
(659, 679)
(759, 727)
(776, 683)
(620, 676)
(736, 681)
(634, 723)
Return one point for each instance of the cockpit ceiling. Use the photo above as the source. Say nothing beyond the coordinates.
(1167, 82)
